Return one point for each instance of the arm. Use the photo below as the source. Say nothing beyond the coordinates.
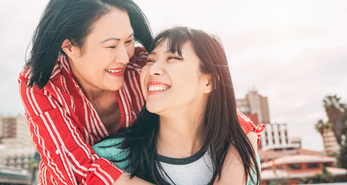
(125, 179)
(66, 156)
(233, 170)
(108, 149)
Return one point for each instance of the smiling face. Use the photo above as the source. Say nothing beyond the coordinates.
(100, 63)
(171, 82)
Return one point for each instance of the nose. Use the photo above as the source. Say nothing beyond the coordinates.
(156, 69)
(121, 55)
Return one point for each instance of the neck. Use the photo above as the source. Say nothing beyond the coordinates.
(106, 105)
(98, 96)
(181, 133)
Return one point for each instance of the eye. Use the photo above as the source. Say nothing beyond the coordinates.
(175, 58)
(112, 47)
(129, 41)
(149, 61)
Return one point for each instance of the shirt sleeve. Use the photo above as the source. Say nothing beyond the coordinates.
(64, 152)
(248, 125)
(110, 150)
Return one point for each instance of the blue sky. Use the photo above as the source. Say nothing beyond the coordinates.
(294, 52)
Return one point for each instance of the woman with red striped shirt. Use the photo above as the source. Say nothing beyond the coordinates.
(81, 84)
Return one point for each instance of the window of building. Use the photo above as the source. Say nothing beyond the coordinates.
(267, 142)
(312, 165)
(9, 128)
(279, 133)
(327, 164)
(279, 167)
(273, 141)
(286, 140)
(280, 141)
(272, 133)
(278, 127)
(294, 166)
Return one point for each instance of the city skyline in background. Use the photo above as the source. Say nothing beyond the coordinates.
(293, 52)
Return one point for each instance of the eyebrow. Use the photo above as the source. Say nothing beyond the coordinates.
(112, 38)
(154, 53)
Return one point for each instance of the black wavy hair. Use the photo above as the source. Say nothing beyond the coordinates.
(73, 20)
(222, 125)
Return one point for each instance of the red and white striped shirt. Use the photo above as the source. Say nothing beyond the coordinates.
(64, 125)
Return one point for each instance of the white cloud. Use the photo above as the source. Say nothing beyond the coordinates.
(264, 37)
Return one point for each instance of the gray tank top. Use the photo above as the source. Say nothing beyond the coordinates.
(194, 170)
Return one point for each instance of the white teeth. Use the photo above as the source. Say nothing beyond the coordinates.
(113, 71)
(157, 88)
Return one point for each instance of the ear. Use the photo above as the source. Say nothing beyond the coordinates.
(69, 49)
(209, 86)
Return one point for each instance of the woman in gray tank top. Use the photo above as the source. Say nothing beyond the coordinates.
(188, 133)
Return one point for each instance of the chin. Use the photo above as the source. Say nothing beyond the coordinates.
(115, 88)
(152, 108)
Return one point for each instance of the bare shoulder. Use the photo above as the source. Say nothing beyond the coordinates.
(253, 138)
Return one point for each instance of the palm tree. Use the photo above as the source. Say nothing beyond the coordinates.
(334, 110)
(321, 127)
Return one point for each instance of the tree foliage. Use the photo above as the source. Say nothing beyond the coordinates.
(321, 127)
(324, 177)
(337, 115)
(335, 111)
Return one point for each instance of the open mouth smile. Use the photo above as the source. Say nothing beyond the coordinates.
(156, 87)
(115, 71)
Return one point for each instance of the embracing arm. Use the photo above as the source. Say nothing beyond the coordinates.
(125, 179)
(233, 170)
(67, 158)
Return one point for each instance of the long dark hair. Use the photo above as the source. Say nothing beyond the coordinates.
(73, 20)
(222, 125)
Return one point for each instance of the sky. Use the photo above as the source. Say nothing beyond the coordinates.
(293, 52)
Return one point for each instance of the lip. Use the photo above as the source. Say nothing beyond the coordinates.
(155, 83)
(116, 73)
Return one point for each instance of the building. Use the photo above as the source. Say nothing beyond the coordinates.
(329, 140)
(291, 168)
(253, 117)
(295, 140)
(19, 157)
(268, 155)
(275, 137)
(14, 131)
(11, 175)
(18, 147)
(2, 154)
(254, 103)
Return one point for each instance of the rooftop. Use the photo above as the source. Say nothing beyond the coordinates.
(290, 159)
(282, 174)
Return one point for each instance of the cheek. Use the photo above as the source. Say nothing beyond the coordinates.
(131, 50)
(143, 76)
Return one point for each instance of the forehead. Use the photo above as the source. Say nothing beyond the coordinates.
(115, 23)
(168, 47)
